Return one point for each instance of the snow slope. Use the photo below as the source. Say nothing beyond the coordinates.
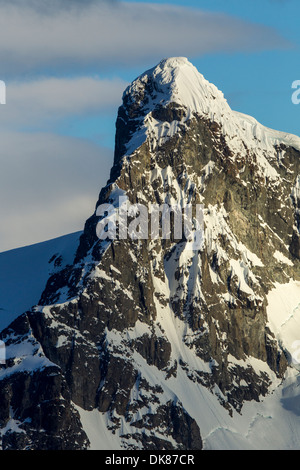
(25, 271)
(284, 317)
(272, 424)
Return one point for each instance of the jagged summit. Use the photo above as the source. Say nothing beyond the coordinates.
(176, 80)
(166, 97)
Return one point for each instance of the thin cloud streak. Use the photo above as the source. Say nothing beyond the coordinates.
(104, 34)
(44, 102)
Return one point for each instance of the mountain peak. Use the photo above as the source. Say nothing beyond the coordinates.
(174, 62)
(166, 97)
(187, 85)
(176, 80)
(161, 100)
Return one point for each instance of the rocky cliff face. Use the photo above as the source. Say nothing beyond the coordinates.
(141, 329)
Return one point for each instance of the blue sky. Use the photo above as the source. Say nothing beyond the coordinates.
(259, 82)
(66, 64)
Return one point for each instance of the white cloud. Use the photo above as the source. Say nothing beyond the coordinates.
(44, 101)
(49, 185)
(103, 34)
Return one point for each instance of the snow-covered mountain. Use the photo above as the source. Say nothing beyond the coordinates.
(145, 343)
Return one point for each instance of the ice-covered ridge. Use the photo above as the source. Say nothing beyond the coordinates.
(187, 87)
(264, 135)
(176, 80)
